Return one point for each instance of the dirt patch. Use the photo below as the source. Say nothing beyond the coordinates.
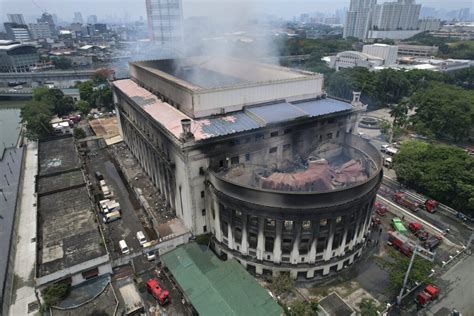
(106, 127)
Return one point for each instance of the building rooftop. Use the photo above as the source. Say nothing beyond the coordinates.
(68, 234)
(252, 117)
(216, 287)
(213, 72)
(58, 155)
(334, 305)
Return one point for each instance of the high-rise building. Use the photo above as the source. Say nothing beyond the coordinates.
(358, 18)
(78, 18)
(400, 15)
(17, 32)
(165, 20)
(40, 30)
(16, 18)
(92, 19)
(49, 19)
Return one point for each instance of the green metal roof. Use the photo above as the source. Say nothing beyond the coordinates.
(216, 287)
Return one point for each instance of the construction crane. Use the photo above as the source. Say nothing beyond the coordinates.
(37, 5)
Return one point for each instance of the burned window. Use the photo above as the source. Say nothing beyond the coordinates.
(286, 147)
(288, 225)
(270, 222)
(287, 131)
(306, 224)
(234, 160)
(203, 212)
(259, 137)
(247, 157)
(274, 134)
(329, 135)
(323, 222)
(273, 150)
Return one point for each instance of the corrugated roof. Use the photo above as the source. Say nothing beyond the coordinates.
(323, 106)
(235, 122)
(216, 287)
(278, 112)
(224, 125)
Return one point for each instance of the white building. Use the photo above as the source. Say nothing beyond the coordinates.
(358, 18)
(429, 24)
(387, 52)
(400, 15)
(350, 59)
(165, 20)
(40, 30)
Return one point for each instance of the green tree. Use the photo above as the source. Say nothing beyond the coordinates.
(444, 110)
(445, 173)
(399, 112)
(61, 104)
(302, 308)
(282, 283)
(79, 133)
(86, 91)
(54, 293)
(83, 107)
(368, 307)
(37, 116)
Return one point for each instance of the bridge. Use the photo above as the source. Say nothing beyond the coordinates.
(61, 79)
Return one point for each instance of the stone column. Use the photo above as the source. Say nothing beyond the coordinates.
(328, 251)
(277, 241)
(355, 238)
(314, 242)
(344, 236)
(230, 236)
(295, 252)
(260, 238)
(244, 249)
(217, 222)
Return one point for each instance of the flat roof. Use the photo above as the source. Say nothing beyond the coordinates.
(233, 122)
(68, 234)
(198, 73)
(334, 305)
(216, 287)
(57, 155)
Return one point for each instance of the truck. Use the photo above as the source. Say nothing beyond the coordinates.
(431, 243)
(406, 201)
(380, 209)
(429, 294)
(397, 224)
(159, 293)
(401, 242)
(414, 227)
(431, 205)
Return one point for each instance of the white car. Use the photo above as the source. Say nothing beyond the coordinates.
(150, 256)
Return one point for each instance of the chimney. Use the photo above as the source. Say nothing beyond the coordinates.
(186, 133)
(355, 98)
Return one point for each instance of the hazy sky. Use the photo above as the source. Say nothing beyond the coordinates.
(135, 8)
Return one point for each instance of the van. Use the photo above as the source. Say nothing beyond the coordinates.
(123, 247)
(141, 238)
(112, 206)
(106, 191)
(99, 176)
(112, 216)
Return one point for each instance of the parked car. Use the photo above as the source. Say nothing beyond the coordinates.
(99, 176)
(123, 247)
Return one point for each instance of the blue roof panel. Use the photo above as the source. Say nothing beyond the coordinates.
(274, 113)
(323, 106)
(228, 124)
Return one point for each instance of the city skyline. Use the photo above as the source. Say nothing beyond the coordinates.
(128, 9)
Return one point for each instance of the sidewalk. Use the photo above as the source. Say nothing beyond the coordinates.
(25, 257)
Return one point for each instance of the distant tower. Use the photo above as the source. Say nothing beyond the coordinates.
(92, 19)
(358, 18)
(16, 18)
(78, 18)
(48, 18)
(165, 20)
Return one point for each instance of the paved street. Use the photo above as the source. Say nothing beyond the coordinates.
(24, 273)
(456, 290)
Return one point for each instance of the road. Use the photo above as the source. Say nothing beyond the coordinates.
(25, 256)
(456, 290)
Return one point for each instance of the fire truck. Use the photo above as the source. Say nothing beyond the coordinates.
(404, 200)
(429, 294)
(159, 293)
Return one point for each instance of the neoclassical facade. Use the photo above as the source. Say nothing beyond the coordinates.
(257, 155)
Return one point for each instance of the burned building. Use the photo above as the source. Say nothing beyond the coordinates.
(257, 155)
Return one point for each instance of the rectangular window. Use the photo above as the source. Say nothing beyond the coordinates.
(234, 142)
(331, 120)
(287, 131)
(204, 228)
(259, 137)
(320, 137)
(306, 224)
(273, 150)
(221, 163)
(288, 225)
(238, 213)
(286, 147)
(270, 222)
(234, 160)
(323, 222)
(337, 134)
(274, 134)
(203, 212)
(329, 135)
(247, 157)
(202, 194)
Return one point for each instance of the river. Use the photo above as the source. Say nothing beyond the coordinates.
(9, 123)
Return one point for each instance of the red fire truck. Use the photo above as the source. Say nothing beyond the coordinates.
(426, 296)
(404, 200)
(159, 293)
